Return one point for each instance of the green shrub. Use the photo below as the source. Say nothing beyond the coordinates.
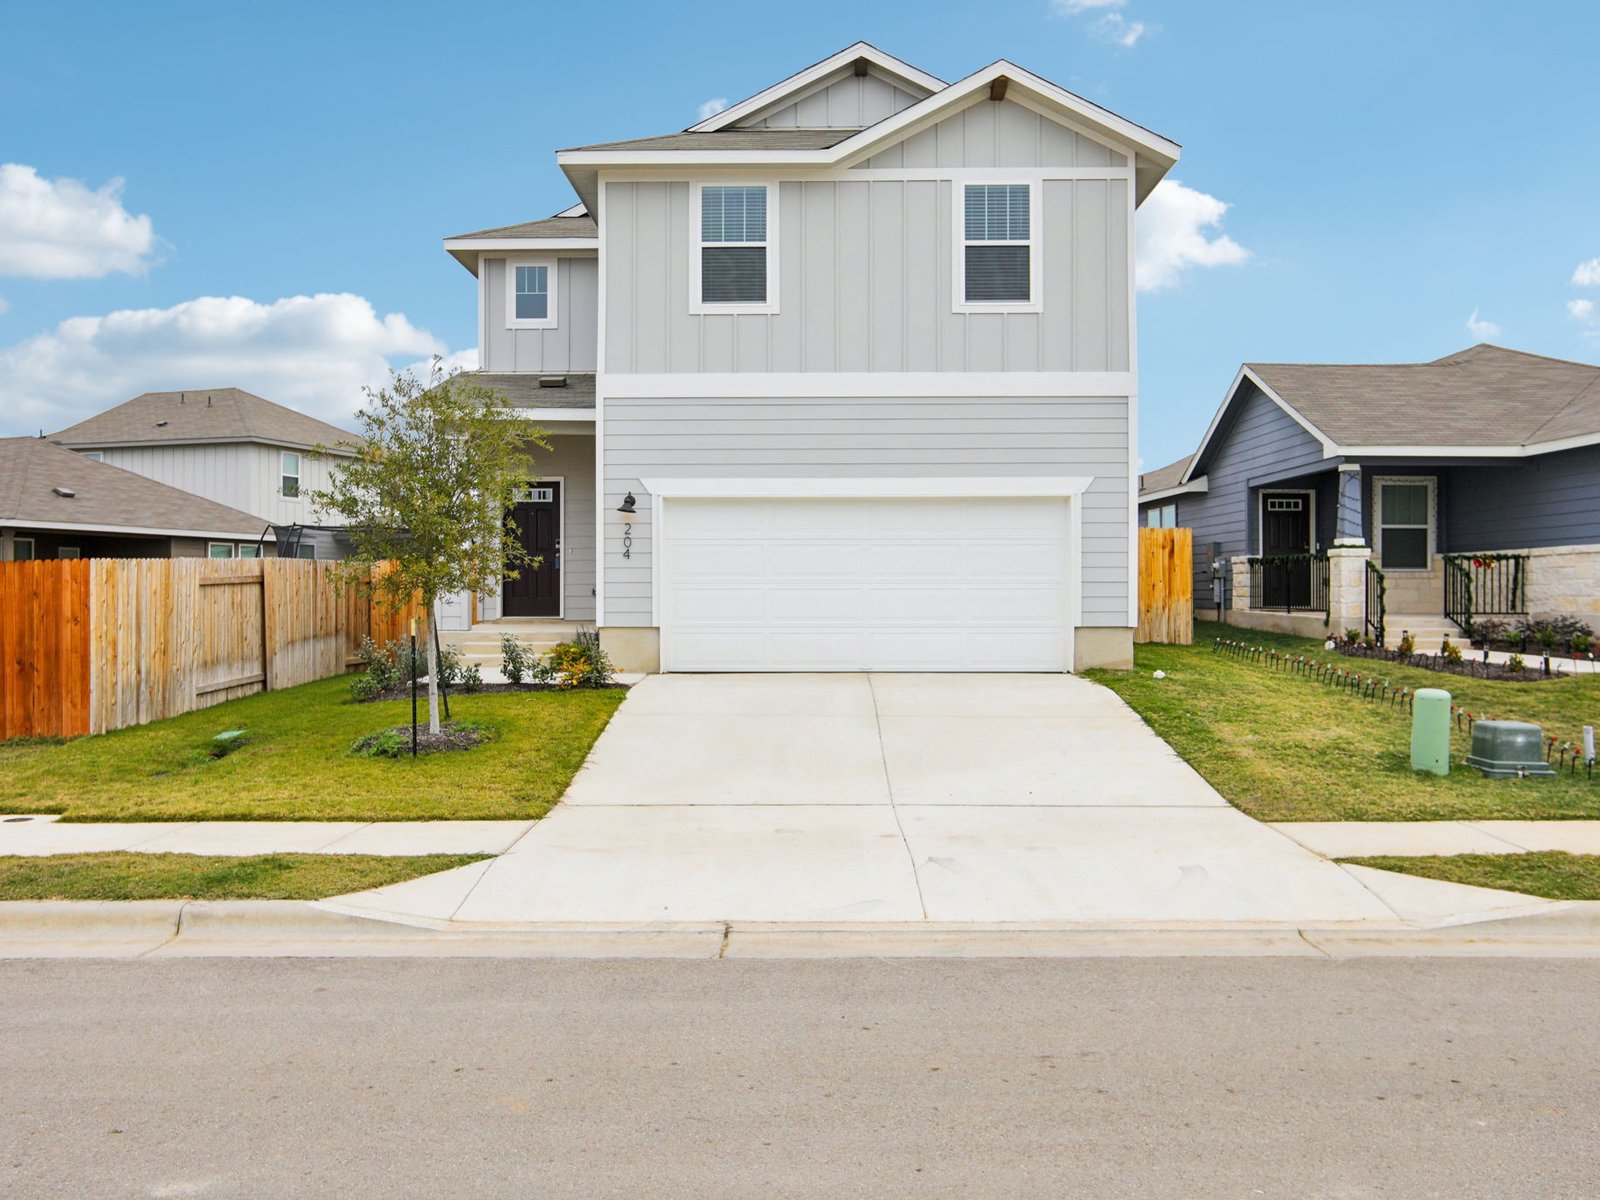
(1515, 663)
(516, 660)
(581, 662)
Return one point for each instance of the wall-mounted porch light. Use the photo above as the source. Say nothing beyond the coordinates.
(628, 510)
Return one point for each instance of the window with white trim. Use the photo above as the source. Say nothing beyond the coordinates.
(249, 550)
(289, 474)
(997, 244)
(93, 455)
(1162, 516)
(22, 550)
(1404, 522)
(219, 550)
(531, 293)
(305, 550)
(734, 265)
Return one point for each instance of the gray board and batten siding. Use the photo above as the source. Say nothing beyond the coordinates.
(570, 345)
(859, 437)
(853, 102)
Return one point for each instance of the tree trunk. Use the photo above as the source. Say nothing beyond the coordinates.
(433, 672)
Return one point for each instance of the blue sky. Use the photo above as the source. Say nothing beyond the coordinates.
(1389, 169)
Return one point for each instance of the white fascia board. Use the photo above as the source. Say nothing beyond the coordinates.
(1330, 449)
(580, 209)
(864, 384)
(529, 244)
(1529, 451)
(1197, 487)
(801, 80)
(142, 530)
(584, 416)
(974, 487)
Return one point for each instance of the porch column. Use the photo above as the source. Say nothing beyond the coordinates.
(1347, 530)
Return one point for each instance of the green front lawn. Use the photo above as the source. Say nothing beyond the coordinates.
(295, 763)
(1552, 874)
(1283, 747)
(126, 876)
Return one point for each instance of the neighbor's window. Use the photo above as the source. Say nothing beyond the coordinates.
(1163, 516)
(22, 550)
(249, 550)
(291, 473)
(305, 550)
(219, 549)
(1405, 510)
(68, 552)
(530, 293)
(997, 244)
(734, 231)
(93, 455)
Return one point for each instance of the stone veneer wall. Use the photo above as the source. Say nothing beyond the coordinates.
(1564, 579)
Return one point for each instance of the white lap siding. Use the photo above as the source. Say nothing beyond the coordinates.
(870, 437)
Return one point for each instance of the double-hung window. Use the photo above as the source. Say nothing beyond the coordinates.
(1404, 522)
(530, 293)
(289, 474)
(734, 268)
(220, 550)
(996, 261)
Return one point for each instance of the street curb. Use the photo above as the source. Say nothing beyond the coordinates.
(290, 928)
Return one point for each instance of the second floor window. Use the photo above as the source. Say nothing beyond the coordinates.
(734, 246)
(290, 474)
(531, 293)
(997, 246)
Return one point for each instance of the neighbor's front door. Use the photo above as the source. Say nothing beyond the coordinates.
(1285, 531)
(536, 592)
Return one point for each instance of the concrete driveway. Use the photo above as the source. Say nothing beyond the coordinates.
(919, 798)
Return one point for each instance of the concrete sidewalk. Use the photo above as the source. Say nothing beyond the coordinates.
(40, 835)
(1355, 839)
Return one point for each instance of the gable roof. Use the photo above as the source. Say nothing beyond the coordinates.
(1485, 400)
(562, 225)
(808, 77)
(1153, 154)
(214, 415)
(104, 497)
(1165, 478)
(573, 229)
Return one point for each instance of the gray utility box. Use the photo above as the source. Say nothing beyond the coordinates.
(1508, 750)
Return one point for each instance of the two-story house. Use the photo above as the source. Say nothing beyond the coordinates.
(841, 378)
(227, 446)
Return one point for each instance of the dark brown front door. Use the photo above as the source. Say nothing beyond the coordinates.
(537, 590)
(1285, 531)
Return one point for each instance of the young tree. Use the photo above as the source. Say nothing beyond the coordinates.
(430, 490)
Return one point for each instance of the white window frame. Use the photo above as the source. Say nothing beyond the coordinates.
(701, 307)
(553, 283)
(232, 550)
(1162, 513)
(959, 243)
(33, 548)
(253, 548)
(93, 455)
(299, 551)
(283, 472)
(1428, 481)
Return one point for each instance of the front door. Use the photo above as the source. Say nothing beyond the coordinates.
(536, 592)
(1285, 532)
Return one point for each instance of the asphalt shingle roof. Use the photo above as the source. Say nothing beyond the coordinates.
(548, 227)
(733, 139)
(213, 415)
(525, 391)
(106, 497)
(1483, 396)
(1165, 477)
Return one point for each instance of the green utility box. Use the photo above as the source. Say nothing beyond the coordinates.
(1509, 750)
(1430, 731)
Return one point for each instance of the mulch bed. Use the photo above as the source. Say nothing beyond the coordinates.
(403, 692)
(1466, 665)
(452, 735)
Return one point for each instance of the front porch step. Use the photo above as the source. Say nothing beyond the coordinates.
(1429, 630)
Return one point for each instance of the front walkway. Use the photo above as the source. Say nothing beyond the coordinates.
(840, 799)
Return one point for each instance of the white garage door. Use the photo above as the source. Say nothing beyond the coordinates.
(959, 584)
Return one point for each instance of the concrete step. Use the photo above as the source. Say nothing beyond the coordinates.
(1428, 629)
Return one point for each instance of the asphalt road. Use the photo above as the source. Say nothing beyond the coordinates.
(1056, 1078)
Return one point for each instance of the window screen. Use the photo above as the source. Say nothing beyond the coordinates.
(533, 293)
(733, 250)
(997, 232)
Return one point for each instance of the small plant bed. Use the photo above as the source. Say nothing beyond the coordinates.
(1561, 636)
(293, 762)
(1554, 874)
(397, 742)
(388, 671)
(1519, 669)
(123, 875)
(1285, 746)
(403, 691)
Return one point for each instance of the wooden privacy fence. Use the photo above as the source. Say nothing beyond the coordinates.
(91, 645)
(1166, 586)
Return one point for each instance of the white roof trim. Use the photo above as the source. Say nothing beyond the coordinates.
(804, 79)
(899, 487)
(522, 243)
(1329, 448)
(580, 209)
(575, 415)
(147, 530)
(1194, 487)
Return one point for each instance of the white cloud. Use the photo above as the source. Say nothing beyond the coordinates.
(5, 306)
(1123, 33)
(1109, 24)
(1587, 274)
(1071, 8)
(1172, 236)
(1583, 310)
(313, 353)
(60, 229)
(1481, 329)
(712, 107)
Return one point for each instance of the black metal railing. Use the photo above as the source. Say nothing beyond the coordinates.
(1289, 583)
(1484, 585)
(1377, 603)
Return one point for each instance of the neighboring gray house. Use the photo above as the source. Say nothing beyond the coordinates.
(56, 504)
(223, 444)
(1471, 484)
(853, 364)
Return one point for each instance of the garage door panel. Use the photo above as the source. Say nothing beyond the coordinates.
(884, 584)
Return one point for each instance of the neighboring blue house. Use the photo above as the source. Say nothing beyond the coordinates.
(1415, 496)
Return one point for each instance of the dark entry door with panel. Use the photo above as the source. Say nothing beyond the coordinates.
(1286, 547)
(537, 590)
